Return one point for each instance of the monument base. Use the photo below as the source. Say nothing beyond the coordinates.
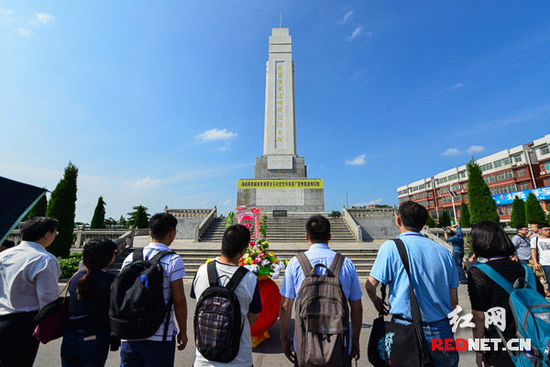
(280, 167)
(305, 195)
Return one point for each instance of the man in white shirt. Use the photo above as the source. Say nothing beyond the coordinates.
(28, 282)
(153, 351)
(234, 244)
(540, 252)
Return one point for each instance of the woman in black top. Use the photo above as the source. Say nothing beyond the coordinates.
(87, 338)
(489, 241)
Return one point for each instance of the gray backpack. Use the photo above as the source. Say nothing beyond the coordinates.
(322, 317)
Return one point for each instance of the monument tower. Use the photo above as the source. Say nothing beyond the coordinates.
(280, 175)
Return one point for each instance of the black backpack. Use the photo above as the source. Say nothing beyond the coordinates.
(137, 306)
(217, 323)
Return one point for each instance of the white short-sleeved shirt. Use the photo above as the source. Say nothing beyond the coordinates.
(28, 278)
(173, 270)
(543, 249)
(248, 296)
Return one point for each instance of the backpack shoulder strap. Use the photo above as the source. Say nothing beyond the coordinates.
(236, 278)
(496, 277)
(160, 255)
(530, 277)
(137, 255)
(337, 264)
(212, 273)
(304, 263)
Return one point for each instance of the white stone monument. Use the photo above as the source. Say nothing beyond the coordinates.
(280, 175)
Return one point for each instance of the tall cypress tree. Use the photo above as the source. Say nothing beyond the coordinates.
(139, 218)
(98, 220)
(533, 210)
(464, 215)
(39, 209)
(444, 219)
(482, 205)
(431, 222)
(518, 213)
(62, 207)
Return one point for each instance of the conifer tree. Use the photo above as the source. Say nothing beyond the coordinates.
(122, 221)
(533, 210)
(62, 207)
(464, 215)
(482, 205)
(431, 222)
(39, 209)
(98, 220)
(518, 213)
(444, 219)
(139, 218)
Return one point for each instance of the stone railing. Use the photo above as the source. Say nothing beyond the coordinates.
(428, 232)
(82, 236)
(188, 213)
(440, 233)
(352, 224)
(203, 226)
(125, 241)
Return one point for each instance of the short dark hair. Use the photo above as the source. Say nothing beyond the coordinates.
(413, 215)
(449, 231)
(7, 244)
(235, 239)
(35, 228)
(520, 227)
(318, 229)
(161, 224)
(97, 254)
(490, 240)
(543, 225)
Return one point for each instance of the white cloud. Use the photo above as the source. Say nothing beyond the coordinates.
(227, 202)
(369, 203)
(24, 32)
(43, 18)
(357, 32)
(216, 134)
(357, 161)
(5, 12)
(452, 151)
(475, 149)
(146, 183)
(456, 86)
(348, 15)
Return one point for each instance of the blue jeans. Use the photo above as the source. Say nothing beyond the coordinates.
(457, 257)
(437, 330)
(546, 269)
(524, 262)
(78, 352)
(147, 353)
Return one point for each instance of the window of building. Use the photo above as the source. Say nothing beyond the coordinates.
(505, 175)
(453, 177)
(518, 158)
(524, 186)
(485, 167)
(463, 174)
(501, 162)
(508, 188)
(456, 187)
(494, 191)
(442, 180)
(489, 179)
(520, 172)
(546, 167)
(444, 190)
(445, 200)
(544, 149)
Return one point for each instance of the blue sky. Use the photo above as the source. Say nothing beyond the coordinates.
(130, 91)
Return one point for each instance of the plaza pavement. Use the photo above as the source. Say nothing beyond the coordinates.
(268, 354)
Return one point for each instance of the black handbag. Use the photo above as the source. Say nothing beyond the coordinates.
(398, 345)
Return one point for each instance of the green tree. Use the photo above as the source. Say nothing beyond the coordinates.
(122, 221)
(139, 218)
(430, 222)
(39, 209)
(464, 215)
(482, 205)
(98, 220)
(444, 219)
(518, 213)
(533, 210)
(62, 207)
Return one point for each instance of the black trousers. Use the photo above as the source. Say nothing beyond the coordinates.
(18, 347)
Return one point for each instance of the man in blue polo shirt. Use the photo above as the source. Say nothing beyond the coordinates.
(434, 277)
(318, 236)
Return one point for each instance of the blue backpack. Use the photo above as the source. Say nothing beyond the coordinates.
(532, 315)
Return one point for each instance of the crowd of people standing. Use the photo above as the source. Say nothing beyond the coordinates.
(29, 277)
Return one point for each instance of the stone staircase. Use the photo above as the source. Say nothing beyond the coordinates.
(284, 230)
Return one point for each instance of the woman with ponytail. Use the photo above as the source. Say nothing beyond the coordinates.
(87, 338)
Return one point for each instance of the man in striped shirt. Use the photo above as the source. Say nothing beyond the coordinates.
(153, 352)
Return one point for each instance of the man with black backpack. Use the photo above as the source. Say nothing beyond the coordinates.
(321, 283)
(228, 304)
(413, 259)
(148, 288)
